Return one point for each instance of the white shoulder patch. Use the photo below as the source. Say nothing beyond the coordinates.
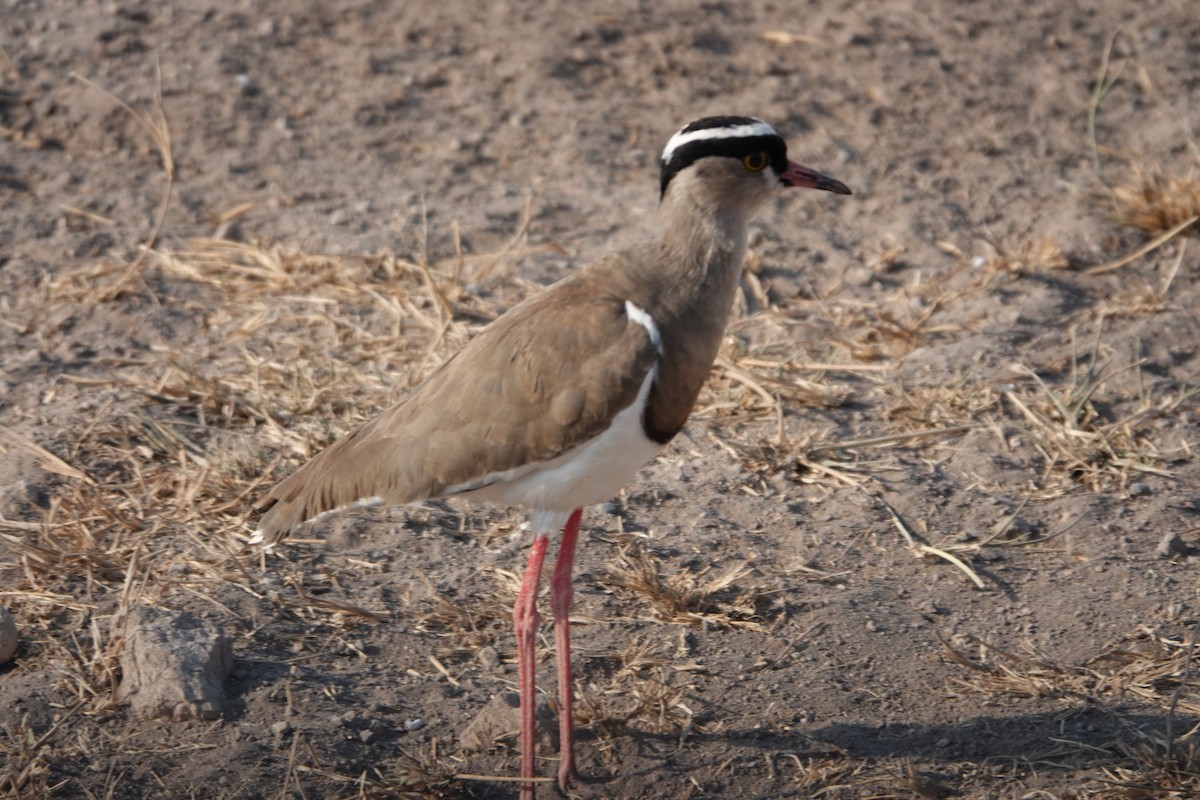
(756, 128)
(643, 318)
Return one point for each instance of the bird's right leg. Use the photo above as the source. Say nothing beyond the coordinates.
(525, 621)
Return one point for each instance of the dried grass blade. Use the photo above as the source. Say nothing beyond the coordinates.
(953, 559)
(1149, 246)
(46, 460)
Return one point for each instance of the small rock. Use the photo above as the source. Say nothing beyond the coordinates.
(488, 657)
(1171, 545)
(501, 720)
(281, 728)
(172, 664)
(245, 85)
(858, 276)
(366, 735)
(8, 635)
(1139, 489)
(414, 725)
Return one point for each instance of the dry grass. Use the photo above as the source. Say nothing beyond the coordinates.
(729, 595)
(961, 402)
(1151, 200)
(1164, 206)
(1028, 257)
(1147, 668)
(1080, 444)
(467, 624)
(293, 350)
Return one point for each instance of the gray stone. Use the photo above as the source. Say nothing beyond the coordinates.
(1172, 545)
(488, 657)
(173, 664)
(500, 720)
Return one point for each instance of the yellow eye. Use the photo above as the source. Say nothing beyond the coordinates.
(755, 162)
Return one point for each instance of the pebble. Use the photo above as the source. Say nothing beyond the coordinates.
(1171, 545)
(414, 725)
(281, 728)
(488, 657)
(245, 85)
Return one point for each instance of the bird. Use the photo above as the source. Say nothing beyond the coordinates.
(559, 402)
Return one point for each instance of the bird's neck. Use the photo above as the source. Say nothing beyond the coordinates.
(704, 250)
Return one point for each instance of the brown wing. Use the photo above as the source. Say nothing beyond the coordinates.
(543, 378)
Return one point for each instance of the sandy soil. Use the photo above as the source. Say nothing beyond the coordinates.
(957, 367)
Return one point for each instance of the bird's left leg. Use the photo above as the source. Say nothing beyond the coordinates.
(560, 605)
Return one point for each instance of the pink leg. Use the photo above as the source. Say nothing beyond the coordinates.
(525, 621)
(560, 604)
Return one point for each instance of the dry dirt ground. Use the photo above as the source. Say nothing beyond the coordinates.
(932, 531)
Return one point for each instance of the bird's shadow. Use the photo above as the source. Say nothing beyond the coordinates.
(1066, 741)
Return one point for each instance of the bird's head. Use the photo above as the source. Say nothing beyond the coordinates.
(735, 164)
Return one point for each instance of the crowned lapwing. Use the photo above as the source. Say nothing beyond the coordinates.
(558, 403)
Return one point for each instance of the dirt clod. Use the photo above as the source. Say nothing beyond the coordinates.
(500, 721)
(173, 665)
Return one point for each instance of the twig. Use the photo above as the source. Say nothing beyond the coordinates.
(921, 548)
(744, 378)
(1174, 269)
(876, 441)
(1153, 244)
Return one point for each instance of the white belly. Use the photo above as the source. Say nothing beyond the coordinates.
(589, 473)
